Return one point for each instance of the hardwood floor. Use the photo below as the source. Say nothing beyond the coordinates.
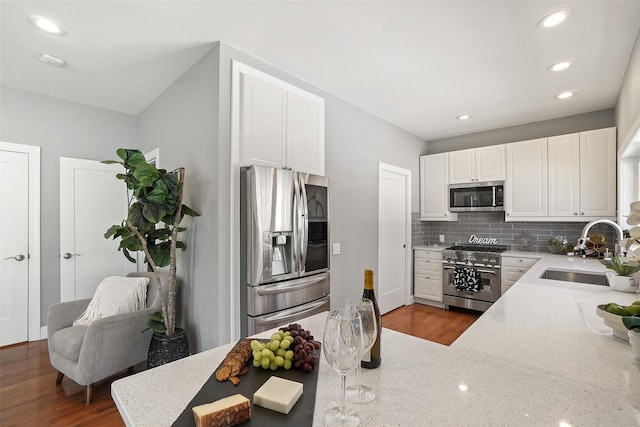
(430, 323)
(29, 395)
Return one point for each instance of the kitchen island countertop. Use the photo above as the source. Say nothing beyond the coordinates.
(540, 356)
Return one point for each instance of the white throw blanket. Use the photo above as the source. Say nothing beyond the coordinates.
(115, 295)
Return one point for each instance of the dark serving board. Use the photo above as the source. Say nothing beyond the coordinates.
(301, 414)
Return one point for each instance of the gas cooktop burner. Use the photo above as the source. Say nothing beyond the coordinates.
(478, 248)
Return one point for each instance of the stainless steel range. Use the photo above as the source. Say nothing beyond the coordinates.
(471, 276)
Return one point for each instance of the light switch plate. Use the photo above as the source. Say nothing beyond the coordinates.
(335, 249)
(441, 237)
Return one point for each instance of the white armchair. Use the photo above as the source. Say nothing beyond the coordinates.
(88, 354)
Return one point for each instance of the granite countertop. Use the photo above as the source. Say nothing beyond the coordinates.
(538, 356)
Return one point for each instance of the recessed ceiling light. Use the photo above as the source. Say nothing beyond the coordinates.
(565, 95)
(554, 19)
(51, 60)
(463, 117)
(46, 25)
(559, 66)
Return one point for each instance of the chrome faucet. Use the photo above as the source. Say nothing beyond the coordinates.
(582, 241)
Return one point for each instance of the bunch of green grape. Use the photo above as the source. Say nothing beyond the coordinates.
(275, 353)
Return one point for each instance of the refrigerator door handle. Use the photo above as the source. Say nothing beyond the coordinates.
(304, 240)
(296, 222)
(288, 287)
(279, 317)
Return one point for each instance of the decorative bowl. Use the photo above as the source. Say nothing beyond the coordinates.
(634, 340)
(621, 283)
(614, 321)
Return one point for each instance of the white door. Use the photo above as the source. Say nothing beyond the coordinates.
(393, 239)
(14, 232)
(91, 200)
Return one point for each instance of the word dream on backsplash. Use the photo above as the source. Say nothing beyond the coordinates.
(483, 240)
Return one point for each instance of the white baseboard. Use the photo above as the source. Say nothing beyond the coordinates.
(43, 333)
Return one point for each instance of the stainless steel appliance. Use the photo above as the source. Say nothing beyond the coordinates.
(476, 196)
(284, 244)
(483, 260)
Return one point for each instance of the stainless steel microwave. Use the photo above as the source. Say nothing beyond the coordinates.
(476, 196)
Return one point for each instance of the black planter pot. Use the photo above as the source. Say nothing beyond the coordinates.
(164, 349)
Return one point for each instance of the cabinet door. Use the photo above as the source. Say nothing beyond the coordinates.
(262, 123)
(429, 287)
(598, 173)
(462, 166)
(526, 183)
(305, 133)
(490, 163)
(564, 175)
(434, 191)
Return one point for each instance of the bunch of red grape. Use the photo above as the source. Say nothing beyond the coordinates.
(304, 344)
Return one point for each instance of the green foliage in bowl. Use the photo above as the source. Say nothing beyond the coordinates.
(619, 266)
(559, 245)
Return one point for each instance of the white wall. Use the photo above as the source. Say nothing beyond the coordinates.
(62, 129)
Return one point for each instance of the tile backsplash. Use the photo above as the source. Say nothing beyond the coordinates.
(492, 224)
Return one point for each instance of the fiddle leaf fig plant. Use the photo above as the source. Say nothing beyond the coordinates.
(153, 225)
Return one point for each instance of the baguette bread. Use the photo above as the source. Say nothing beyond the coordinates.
(235, 363)
(225, 412)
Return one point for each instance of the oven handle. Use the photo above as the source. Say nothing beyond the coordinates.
(288, 287)
(447, 267)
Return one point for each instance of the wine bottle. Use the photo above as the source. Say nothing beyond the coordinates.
(372, 358)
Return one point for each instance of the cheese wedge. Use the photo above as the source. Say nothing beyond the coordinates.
(225, 412)
(278, 394)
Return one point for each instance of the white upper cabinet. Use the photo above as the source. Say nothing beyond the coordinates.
(582, 175)
(280, 125)
(598, 173)
(526, 181)
(477, 165)
(263, 123)
(564, 175)
(305, 133)
(434, 188)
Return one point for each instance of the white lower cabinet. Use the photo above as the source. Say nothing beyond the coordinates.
(513, 267)
(427, 274)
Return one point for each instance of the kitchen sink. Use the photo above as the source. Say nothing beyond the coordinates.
(575, 276)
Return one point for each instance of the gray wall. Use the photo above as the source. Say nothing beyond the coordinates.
(195, 113)
(183, 123)
(62, 129)
(355, 142)
(570, 124)
(628, 104)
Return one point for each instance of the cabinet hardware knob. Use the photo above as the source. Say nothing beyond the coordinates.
(581, 213)
(575, 213)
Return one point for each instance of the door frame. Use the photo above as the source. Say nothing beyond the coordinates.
(408, 298)
(33, 151)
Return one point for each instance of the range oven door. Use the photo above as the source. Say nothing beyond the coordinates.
(489, 292)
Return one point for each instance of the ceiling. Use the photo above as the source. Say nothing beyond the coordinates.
(417, 64)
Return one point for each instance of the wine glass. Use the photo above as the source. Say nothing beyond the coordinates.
(361, 393)
(342, 347)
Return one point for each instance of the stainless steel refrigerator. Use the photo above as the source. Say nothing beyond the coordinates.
(284, 244)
